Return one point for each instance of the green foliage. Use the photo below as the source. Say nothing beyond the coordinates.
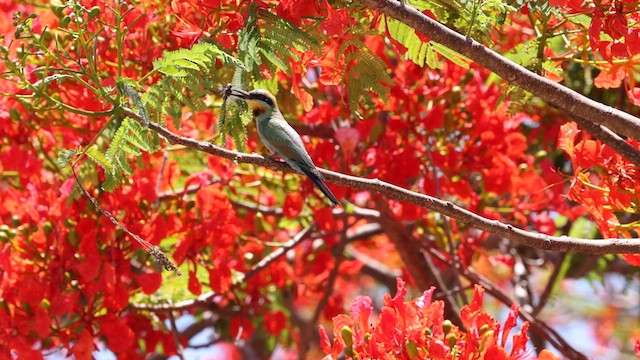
(365, 72)
(266, 36)
(130, 138)
(277, 31)
(479, 17)
(64, 157)
(542, 7)
(265, 40)
(518, 99)
(233, 123)
(474, 18)
(249, 42)
(126, 87)
(418, 51)
(190, 75)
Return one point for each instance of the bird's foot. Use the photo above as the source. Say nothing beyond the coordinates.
(274, 158)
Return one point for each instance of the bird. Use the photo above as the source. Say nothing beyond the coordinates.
(279, 137)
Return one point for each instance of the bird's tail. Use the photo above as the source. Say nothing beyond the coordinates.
(315, 176)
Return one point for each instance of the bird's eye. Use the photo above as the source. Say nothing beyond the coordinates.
(265, 99)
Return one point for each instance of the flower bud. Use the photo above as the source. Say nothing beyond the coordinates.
(412, 349)
(347, 336)
(452, 339)
(446, 326)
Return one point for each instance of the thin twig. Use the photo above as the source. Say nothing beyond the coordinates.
(549, 334)
(448, 293)
(176, 336)
(155, 251)
(191, 189)
(206, 298)
(275, 255)
(546, 294)
(165, 157)
(455, 259)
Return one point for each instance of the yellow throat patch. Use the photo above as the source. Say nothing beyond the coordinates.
(257, 107)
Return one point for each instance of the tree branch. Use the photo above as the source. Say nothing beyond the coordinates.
(176, 336)
(422, 269)
(376, 269)
(610, 138)
(267, 260)
(319, 131)
(153, 250)
(535, 240)
(569, 101)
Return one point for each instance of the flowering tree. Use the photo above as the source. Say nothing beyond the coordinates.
(485, 153)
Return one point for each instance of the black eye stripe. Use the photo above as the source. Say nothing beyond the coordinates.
(263, 98)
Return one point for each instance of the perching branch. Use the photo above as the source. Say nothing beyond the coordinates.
(572, 103)
(528, 238)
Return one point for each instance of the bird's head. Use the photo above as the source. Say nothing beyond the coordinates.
(260, 101)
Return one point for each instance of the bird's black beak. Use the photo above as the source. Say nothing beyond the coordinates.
(239, 93)
(231, 91)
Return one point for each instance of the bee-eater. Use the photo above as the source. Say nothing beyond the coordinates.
(279, 137)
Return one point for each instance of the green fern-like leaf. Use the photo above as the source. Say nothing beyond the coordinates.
(284, 32)
(190, 75)
(249, 40)
(421, 53)
(118, 139)
(274, 59)
(65, 157)
(365, 72)
(233, 122)
(122, 162)
(131, 138)
(112, 172)
(269, 40)
(138, 136)
(100, 159)
(453, 56)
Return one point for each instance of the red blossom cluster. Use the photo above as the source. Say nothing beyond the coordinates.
(416, 329)
(604, 183)
(67, 275)
(614, 36)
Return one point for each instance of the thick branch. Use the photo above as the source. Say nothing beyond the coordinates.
(319, 131)
(376, 269)
(569, 101)
(611, 139)
(535, 240)
(422, 270)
